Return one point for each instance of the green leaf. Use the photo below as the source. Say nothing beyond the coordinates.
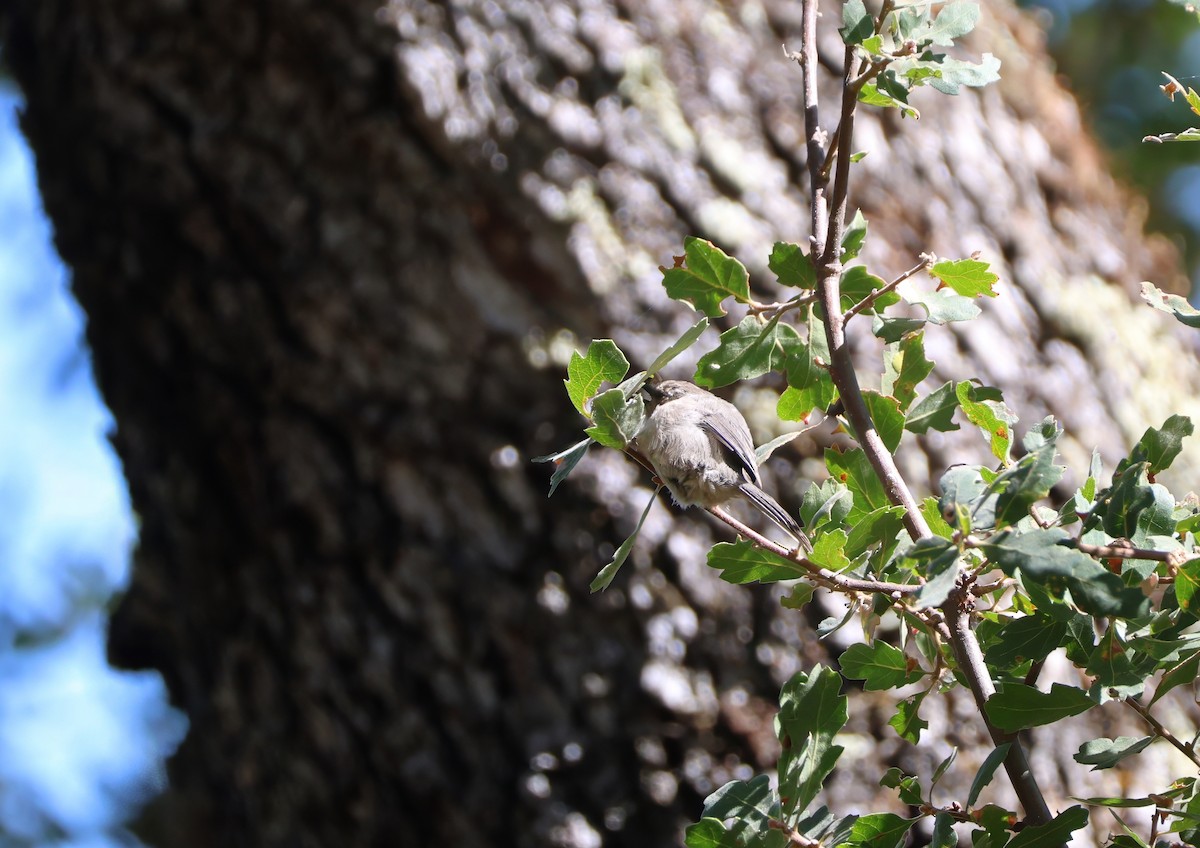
(1117, 802)
(1054, 833)
(618, 418)
(968, 277)
(887, 418)
(1172, 304)
(904, 367)
(829, 551)
(564, 462)
(935, 411)
(812, 711)
(954, 21)
(681, 344)
(1187, 581)
(707, 278)
(810, 385)
(827, 502)
(741, 562)
(1016, 706)
(1135, 508)
(906, 722)
(878, 526)
(872, 94)
(987, 411)
(1040, 556)
(963, 489)
(935, 559)
(763, 452)
(943, 766)
(858, 282)
(908, 785)
(709, 833)
(1031, 637)
(892, 330)
(606, 575)
(1104, 753)
(879, 830)
(602, 363)
(1111, 666)
(856, 23)
(854, 238)
(854, 471)
(746, 351)
(1184, 672)
(881, 665)
(750, 806)
(1030, 479)
(986, 771)
(792, 266)
(1160, 447)
(941, 305)
(953, 73)
(944, 835)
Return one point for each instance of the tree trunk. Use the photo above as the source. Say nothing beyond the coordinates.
(333, 256)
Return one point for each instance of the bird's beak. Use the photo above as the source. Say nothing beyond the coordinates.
(653, 392)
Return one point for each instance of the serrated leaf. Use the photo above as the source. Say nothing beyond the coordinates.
(1016, 706)
(879, 526)
(1113, 670)
(1027, 638)
(750, 806)
(904, 367)
(855, 237)
(603, 362)
(887, 418)
(1040, 556)
(606, 575)
(792, 266)
(829, 551)
(964, 490)
(986, 771)
(857, 283)
(1172, 304)
(618, 418)
(1054, 833)
(1028, 481)
(954, 21)
(564, 462)
(935, 411)
(1159, 448)
(893, 329)
(908, 785)
(967, 277)
(1134, 508)
(810, 385)
(953, 73)
(707, 278)
(812, 711)
(746, 351)
(871, 95)
(906, 722)
(1187, 582)
(799, 597)
(880, 665)
(853, 470)
(992, 417)
(1104, 753)
(741, 562)
(827, 502)
(856, 23)
(689, 338)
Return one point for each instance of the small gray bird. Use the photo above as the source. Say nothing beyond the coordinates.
(701, 449)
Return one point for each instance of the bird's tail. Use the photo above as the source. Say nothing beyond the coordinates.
(772, 510)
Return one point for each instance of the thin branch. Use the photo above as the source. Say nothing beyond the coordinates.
(878, 293)
(773, 310)
(831, 579)
(812, 128)
(1162, 732)
(1175, 558)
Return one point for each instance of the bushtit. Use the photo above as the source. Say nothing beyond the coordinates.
(701, 449)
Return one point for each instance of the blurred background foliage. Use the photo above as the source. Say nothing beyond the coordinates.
(1111, 54)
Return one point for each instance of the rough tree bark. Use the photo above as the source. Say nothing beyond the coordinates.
(332, 255)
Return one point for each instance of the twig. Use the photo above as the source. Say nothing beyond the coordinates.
(1162, 732)
(1175, 558)
(829, 578)
(772, 310)
(878, 293)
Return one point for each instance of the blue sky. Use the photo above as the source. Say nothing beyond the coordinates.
(79, 742)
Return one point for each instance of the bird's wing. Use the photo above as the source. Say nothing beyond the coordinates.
(739, 445)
